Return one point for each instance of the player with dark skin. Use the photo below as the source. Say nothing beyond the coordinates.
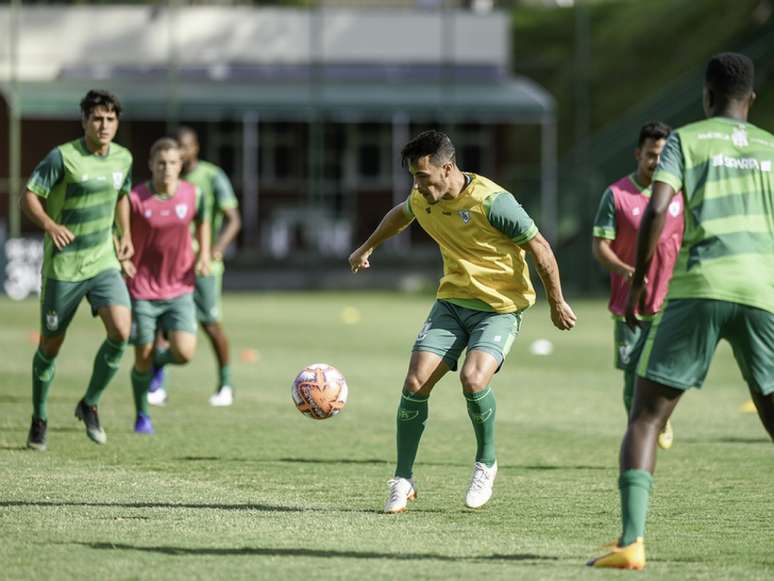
(708, 300)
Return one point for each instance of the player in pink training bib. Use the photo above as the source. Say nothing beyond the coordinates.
(615, 247)
(162, 272)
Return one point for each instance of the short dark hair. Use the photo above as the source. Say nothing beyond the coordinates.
(184, 130)
(163, 144)
(654, 130)
(730, 75)
(433, 143)
(98, 98)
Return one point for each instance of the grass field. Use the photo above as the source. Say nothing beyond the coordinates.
(257, 491)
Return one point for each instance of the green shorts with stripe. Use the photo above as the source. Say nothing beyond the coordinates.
(59, 299)
(629, 344)
(683, 338)
(449, 329)
(207, 298)
(148, 316)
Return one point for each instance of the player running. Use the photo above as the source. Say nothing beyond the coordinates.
(483, 234)
(615, 245)
(722, 286)
(162, 272)
(222, 208)
(84, 185)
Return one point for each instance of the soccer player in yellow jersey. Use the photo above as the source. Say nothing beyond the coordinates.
(483, 234)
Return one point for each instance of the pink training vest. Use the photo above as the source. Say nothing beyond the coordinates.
(630, 205)
(163, 251)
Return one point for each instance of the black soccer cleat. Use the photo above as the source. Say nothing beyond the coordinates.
(88, 415)
(38, 436)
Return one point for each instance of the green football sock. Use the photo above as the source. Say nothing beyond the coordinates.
(164, 357)
(630, 377)
(635, 487)
(224, 375)
(481, 409)
(42, 376)
(412, 415)
(140, 385)
(106, 363)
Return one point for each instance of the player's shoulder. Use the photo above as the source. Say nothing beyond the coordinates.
(484, 184)
(209, 168)
(141, 190)
(120, 152)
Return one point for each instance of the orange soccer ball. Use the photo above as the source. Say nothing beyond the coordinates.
(319, 391)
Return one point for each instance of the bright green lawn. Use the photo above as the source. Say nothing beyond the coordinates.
(257, 491)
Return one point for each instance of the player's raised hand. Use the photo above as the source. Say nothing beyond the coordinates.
(359, 259)
(562, 316)
(60, 235)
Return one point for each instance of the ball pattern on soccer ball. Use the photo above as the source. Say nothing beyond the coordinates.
(319, 391)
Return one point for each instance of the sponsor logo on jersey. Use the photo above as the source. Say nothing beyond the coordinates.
(118, 179)
(148, 213)
(743, 163)
(465, 215)
(181, 210)
(674, 208)
(635, 211)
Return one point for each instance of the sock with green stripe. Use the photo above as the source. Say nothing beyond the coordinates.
(224, 376)
(140, 385)
(42, 376)
(481, 410)
(635, 487)
(106, 363)
(162, 357)
(412, 415)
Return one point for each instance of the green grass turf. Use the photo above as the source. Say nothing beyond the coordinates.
(258, 491)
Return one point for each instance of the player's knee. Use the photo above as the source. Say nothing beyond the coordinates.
(120, 334)
(50, 346)
(414, 384)
(473, 380)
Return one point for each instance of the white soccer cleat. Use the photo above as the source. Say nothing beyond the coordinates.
(223, 397)
(401, 491)
(480, 489)
(158, 397)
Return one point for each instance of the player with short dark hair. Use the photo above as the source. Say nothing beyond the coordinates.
(483, 234)
(84, 184)
(223, 210)
(722, 286)
(615, 245)
(162, 272)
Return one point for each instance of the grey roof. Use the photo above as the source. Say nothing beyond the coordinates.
(516, 99)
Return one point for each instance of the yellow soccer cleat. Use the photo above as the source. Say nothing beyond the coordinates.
(666, 436)
(628, 557)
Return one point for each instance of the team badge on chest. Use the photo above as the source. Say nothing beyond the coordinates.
(465, 215)
(118, 179)
(181, 210)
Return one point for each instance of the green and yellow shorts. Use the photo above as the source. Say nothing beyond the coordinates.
(449, 329)
(207, 298)
(629, 343)
(177, 314)
(683, 338)
(59, 299)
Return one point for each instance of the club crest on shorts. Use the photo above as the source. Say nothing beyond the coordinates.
(181, 210)
(118, 179)
(465, 215)
(423, 331)
(52, 320)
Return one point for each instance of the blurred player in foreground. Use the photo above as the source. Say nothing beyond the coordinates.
(84, 184)
(615, 247)
(483, 234)
(162, 272)
(722, 286)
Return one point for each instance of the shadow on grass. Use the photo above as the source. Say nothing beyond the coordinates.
(248, 506)
(727, 440)
(14, 398)
(55, 429)
(13, 448)
(301, 552)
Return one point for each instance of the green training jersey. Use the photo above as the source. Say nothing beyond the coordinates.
(724, 169)
(81, 190)
(218, 196)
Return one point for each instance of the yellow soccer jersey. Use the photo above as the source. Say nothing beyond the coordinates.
(479, 233)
